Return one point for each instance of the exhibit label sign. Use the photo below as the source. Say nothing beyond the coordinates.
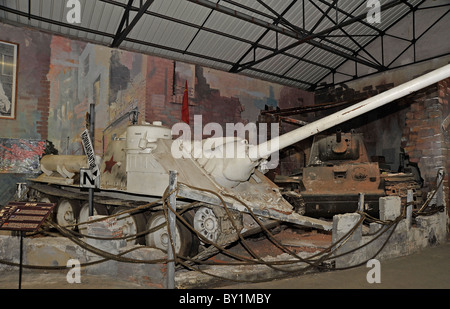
(24, 216)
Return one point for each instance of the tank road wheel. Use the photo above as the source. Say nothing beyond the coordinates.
(207, 223)
(67, 213)
(132, 224)
(186, 243)
(99, 209)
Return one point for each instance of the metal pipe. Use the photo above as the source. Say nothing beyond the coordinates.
(440, 188)
(338, 136)
(264, 150)
(20, 260)
(409, 200)
(294, 121)
(171, 229)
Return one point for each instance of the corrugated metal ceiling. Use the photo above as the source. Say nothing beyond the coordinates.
(292, 42)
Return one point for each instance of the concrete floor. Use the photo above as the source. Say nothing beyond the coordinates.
(427, 269)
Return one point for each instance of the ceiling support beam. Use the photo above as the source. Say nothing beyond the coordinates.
(382, 47)
(255, 44)
(413, 43)
(203, 28)
(297, 29)
(54, 22)
(110, 35)
(283, 21)
(125, 19)
(347, 14)
(227, 35)
(325, 14)
(309, 38)
(118, 39)
(200, 28)
(288, 24)
(300, 37)
(245, 17)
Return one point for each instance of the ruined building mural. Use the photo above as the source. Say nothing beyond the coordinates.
(118, 82)
(58, 79)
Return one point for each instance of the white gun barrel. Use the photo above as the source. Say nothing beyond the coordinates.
(264, 150)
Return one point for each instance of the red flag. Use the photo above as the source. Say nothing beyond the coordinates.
(185, 107)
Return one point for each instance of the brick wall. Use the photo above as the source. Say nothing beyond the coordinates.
(163, 105)
(426, 136)
(43, 106)
(424, 118)
(33, 88)
(159, 90)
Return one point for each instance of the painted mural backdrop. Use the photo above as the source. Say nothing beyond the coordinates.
(118, 81)
(58, 79)
(65, 76)
(20, 156)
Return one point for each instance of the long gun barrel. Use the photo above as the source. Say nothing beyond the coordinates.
(264, 150)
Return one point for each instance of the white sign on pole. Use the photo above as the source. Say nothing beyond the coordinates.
(89, 177)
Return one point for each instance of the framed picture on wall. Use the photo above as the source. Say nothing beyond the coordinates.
(8, 79)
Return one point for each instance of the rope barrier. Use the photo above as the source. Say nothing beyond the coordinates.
(316, 260)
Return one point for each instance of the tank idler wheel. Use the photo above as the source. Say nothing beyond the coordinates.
(44, 198)
(99, 209)
(67, 213)
(186, 243)
(132, 224)
(47, 199)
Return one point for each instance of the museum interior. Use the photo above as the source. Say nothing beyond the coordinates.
(203, 144)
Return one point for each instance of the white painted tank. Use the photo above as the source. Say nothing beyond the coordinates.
(66, 165)
(142, 138)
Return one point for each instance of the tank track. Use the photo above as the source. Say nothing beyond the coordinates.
(224, 225)
(395, 184)
(399, 184)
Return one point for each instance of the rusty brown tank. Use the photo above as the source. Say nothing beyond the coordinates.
(338, 172)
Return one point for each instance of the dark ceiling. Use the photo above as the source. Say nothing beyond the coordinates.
(298, 43)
